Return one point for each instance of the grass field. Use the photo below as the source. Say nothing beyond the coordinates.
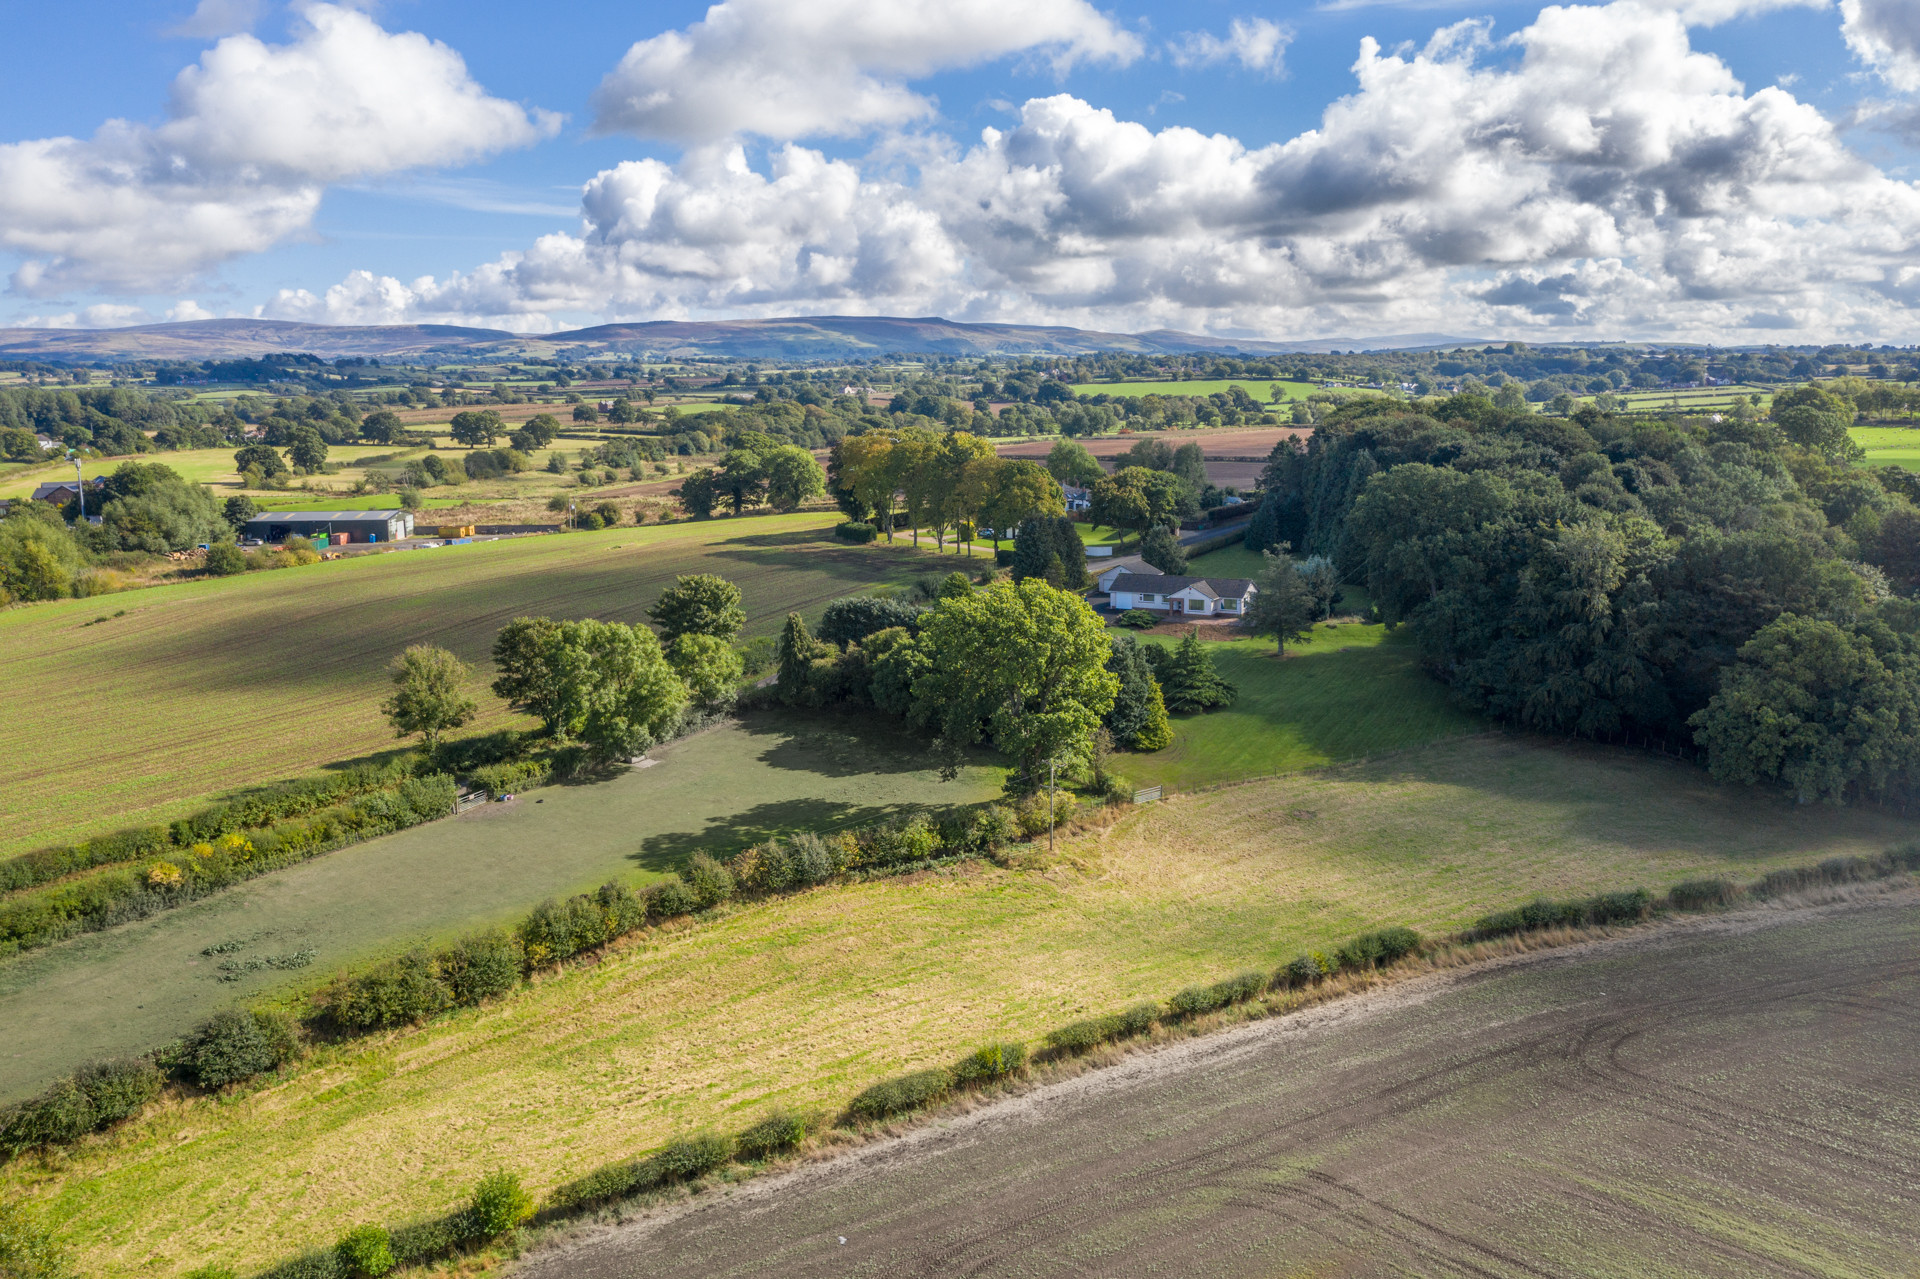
(198, 466)
(140, 985)
(1260, 389)
(803, 1000)
(189, 690)
(1889, 445)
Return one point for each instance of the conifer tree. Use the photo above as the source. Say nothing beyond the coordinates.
(1191, 683)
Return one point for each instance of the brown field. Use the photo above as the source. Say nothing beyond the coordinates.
(1235, 456)
(1728, 1098)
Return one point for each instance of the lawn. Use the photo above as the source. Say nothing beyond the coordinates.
(128, 990)
(136, 708)
(1260, 388)
(803, 1000)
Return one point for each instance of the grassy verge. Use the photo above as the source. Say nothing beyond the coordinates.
(807, 1000)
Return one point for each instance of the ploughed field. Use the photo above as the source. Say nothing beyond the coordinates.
(1235, 455)
(185, 692)
(1735, 1100)
(803, 1000)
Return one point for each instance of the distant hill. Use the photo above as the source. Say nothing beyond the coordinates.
(820, 337)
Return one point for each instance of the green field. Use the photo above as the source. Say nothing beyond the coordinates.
(348, 502)
(186, 691)
(198, 466)
(1259, 388)
(1889, 445)
(124, 991)
(803, 1000)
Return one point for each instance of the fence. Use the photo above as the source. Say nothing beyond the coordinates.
(1147, 796)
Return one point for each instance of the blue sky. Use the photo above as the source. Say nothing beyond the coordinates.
(1098, 208)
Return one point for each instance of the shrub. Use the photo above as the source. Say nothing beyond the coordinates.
(366, 1251)
(994, 827)
(235, 1045)
(1378, 949)
(669, 898)
(1139, 1019)
(814, 859)
(482, 966)
(1079, 1036)
(994, 1061)
(118, 1089)
(907, 1092)
(780, 1130)
(419, 1241)
(1606, 908)
(898, 843)
(1138, 618)
(1032, 811)
(1301, 970)
(505, 778)
(854, 531)
(708, 881)
(689, 1157)
(603, 1185)
(407, 989)
(224, 559)
(1703, 894)
(321, 1263)
(499, 1204)
(27, 1249)
(1195, 1000)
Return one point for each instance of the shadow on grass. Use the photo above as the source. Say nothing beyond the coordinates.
(724, 836)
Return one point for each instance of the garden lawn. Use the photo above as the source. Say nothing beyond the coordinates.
(804, 1000)
(1349, 692)
(1259, 388)
(136, 708)
(137, 986)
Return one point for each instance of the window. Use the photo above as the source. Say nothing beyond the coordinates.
(1146, 599)
(1227, 606)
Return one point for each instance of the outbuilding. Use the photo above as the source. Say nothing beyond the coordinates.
(338, 527)
(1169, 593)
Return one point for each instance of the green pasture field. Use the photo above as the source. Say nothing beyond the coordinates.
(209, 686)
(802, 1001)
(348, 502)
(197, 466)
(127, 990)
(1889, 445)
(1259, 388)
(1696, 400)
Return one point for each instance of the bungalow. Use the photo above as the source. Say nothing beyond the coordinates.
(1077, 498)
(1194, 596)
(1118, 567)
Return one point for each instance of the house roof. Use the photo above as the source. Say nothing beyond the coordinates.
(1233, 588)
(1125, 563)
(42, 492)
(329, 517)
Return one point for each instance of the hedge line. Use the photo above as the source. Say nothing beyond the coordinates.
(181, 875)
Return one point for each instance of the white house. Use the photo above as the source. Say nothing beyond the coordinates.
(1193, 596)
(1077, 498)
(1117, 567)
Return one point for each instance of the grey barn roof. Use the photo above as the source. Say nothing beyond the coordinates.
(329, 517)
(1233, 588)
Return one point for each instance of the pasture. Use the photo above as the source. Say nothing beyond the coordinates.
(181, 692)
(1260, 388)
(126, 990)
(197, 466)
(803, 1000)
(1889, 445)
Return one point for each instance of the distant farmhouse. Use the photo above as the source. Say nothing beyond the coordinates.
(1077, 498)
(1183, 596)
(60, 492)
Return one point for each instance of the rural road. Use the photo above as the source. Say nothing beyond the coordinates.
(1735, 1097)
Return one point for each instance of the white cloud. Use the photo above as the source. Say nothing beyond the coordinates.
(786, 70)
(1711, 13)
(1593, 174)
(105, 315)
(212, 19)
(254, 133)
(1255, 43)
(188, 309)
(1885, 34)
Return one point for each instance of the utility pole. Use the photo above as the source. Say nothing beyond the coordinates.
(1050, 770)
(80, 482)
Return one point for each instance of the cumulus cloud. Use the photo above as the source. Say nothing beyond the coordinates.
(1711, 13)
(212, 19)
(1592, 173)
(785, 70)
(1255, 43)
(1885, 35)
(254, 133)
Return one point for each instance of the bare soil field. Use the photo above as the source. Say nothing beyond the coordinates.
(1731, 1096)
(1234, 456)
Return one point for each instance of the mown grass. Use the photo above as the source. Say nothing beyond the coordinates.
(209, 686)
(138, 986)
(803, 1001)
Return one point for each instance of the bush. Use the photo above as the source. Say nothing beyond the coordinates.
(708, 880)
(1378, 949)
(560, 930)
(1703, 894)
(1032, 812)
(994, 1061)
(898, 843)
(407, 989)
(321, 1263)
(499, 1204)
(779, 1131)
(436, 1237)
(908, 1092)
(27, 1249)
(1138, 618)
(224, 559)
(1195, 1000)
(1079, 1036)
(1002, 556)
(91, 1099)
(1301, 970)
(119, 1089)
(854, 531)
(235, 1045)
(689, 1157)
(1606, 908)
(669, 898)
(480, 967)
(506, 778)
(366, 1251)
(994, 827)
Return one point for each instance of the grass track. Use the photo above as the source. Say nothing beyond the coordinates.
(213, 685)
(801, 1001)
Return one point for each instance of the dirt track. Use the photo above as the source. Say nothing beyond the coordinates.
(1730, 1097)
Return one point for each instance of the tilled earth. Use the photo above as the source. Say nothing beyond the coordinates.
(1727, 1097)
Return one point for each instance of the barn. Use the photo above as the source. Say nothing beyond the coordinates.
(338, 527)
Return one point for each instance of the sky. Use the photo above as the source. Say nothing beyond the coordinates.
(1727, 171)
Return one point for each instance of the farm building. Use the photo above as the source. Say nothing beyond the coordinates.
(336, 526)
(60, 492)
(1166, 593)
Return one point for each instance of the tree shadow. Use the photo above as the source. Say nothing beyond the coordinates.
(723, 836)
(837, 743)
